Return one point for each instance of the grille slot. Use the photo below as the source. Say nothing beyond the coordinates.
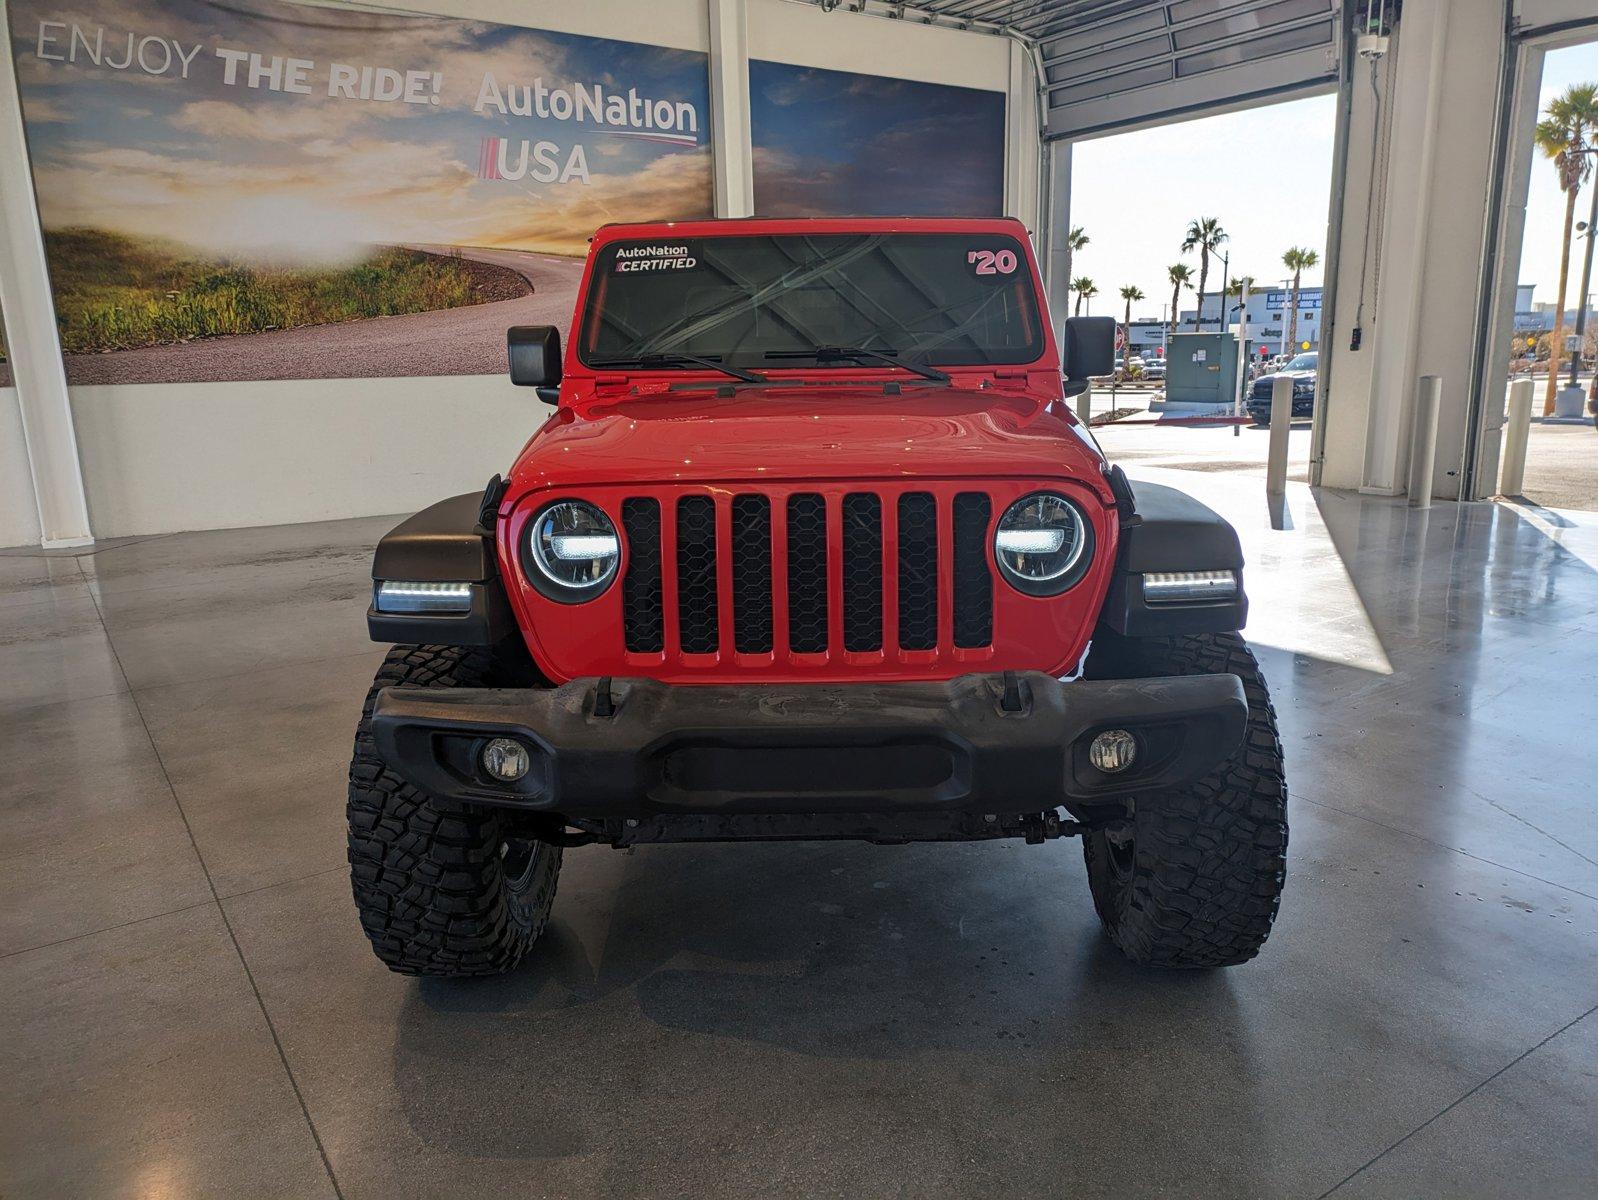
(918, 571)
(862, 572)
(807, 573)
(696, 575)
(751, 574)
(973, 582)
(643, 609)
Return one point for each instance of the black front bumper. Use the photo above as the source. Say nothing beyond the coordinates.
(637, 748)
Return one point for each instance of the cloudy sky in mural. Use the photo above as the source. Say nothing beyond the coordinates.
(192, 121)
(834, 142)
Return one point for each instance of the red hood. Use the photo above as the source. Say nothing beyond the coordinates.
(831, 432)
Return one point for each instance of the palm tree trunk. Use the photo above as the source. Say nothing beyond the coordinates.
(1078, 311)
(1204, 278)
(1559, 312)
(1176, 298)
(1292, 326)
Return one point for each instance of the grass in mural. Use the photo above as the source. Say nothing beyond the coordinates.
(115, 292)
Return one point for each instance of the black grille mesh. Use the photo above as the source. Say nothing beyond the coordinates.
(696, 574)
(807, 573)
(751, 574)
(918, 571)
(643, 612)
(862, 571)
(973, 582)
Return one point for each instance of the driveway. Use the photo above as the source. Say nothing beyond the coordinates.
(451, 341)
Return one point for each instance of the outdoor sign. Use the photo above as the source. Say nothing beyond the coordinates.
(835, 143)
(1281, 299)
(264, 190)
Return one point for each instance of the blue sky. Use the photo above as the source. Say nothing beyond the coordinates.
(1265, 173)
(1545, 203)
(834, 142)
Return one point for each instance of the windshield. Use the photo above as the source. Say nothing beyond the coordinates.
(754, 301)
(1302, 362)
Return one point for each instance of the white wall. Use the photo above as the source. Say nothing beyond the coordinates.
(1433, 202)
(159, 458)
(19, 514)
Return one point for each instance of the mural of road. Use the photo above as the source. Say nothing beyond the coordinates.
(454, 341)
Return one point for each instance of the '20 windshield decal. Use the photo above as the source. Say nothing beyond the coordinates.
(992, 262)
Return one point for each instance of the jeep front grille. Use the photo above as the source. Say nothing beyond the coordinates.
(891, 573)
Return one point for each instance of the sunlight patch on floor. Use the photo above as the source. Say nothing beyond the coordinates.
(1301, 596)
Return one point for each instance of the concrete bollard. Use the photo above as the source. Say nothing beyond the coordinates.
(1516, 435)
(1281, 425)
(1423, 440)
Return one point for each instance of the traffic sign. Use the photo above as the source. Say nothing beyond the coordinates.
(1120, 337)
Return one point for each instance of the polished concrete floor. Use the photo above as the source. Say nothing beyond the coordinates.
(188, 1009)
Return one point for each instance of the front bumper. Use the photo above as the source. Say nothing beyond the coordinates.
(633, 748)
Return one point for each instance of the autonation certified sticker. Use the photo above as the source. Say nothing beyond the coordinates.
(667, 257)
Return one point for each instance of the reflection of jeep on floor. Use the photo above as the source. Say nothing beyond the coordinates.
(812, 547)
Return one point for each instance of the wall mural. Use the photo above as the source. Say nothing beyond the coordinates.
(830, 143)
(264, 190)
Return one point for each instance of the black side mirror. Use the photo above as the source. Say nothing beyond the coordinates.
(1088, 347)
(535, 358)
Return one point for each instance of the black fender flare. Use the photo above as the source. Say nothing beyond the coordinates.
(1164, 529)
(448, 542)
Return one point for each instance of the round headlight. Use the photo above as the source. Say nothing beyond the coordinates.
(571, 551)
(1043, 544)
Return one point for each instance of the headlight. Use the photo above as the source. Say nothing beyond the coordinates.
(1043, 544)
(570, 551)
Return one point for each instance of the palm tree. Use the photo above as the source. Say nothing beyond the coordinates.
(1181, 276)
(1562, 136)
(1203, 235)
(1085, 289)
(1298, 259)
(1074, 241)
(1129, 294)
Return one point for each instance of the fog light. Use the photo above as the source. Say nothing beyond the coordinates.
(1112, 751)
(506, 760)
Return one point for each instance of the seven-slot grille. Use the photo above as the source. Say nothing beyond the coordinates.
(863, 552)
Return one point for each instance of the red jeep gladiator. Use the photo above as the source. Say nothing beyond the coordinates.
(812, 546)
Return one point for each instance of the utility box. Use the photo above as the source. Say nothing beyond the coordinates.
(1201, 369)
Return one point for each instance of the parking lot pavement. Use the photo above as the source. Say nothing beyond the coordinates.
(1562, 467)
(1561, 460)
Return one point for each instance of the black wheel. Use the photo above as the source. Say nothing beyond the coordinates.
(441, 889)
(1193, 878)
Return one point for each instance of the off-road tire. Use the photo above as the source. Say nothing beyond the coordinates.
(441, 888)
(1194, 878)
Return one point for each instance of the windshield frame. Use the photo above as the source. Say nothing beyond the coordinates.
(1036, 353)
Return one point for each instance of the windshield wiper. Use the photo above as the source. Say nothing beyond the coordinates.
(679, 360)
(856, 353)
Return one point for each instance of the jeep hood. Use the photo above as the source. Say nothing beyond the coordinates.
(818, 432)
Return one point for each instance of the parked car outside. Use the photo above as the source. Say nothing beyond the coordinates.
(1302, 369)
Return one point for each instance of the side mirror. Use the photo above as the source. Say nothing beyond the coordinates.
(535, 358)
(1088, 347)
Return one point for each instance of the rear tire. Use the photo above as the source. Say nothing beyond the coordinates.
(442, 889)
(1194, 878)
